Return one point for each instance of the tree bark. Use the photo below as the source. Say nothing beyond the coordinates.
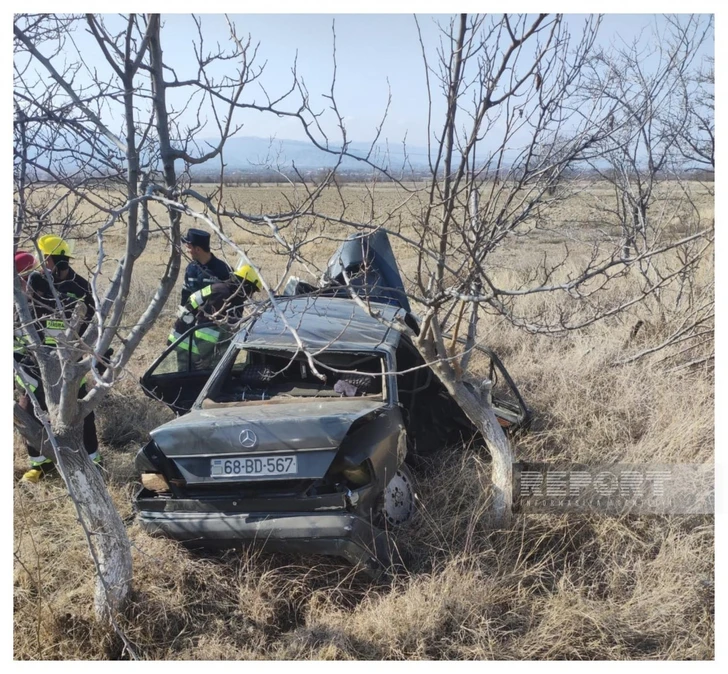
(32, 431)
(475, 403)
(477, 407)
(100, 520)
(102, 524)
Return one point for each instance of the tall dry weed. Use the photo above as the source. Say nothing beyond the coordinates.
(552, 587)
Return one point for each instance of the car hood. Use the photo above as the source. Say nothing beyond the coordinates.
(272, 427)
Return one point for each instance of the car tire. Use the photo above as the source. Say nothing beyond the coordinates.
(397, 502)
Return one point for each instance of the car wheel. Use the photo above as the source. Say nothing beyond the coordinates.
(397, 502)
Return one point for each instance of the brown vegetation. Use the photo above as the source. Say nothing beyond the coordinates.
(552, 587)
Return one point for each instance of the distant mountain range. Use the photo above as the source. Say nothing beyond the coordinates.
(249, 153)
(265, 156)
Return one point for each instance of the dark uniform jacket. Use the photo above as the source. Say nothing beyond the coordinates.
(198, 275)
(220, 306)
(218, 302)
(49, 322)
(72, 290)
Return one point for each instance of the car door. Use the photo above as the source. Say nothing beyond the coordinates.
(178, 375)
(506, 399)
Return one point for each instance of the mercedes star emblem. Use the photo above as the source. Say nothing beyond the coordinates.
(248, 438)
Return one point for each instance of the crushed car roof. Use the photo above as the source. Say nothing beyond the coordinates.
(333, 322)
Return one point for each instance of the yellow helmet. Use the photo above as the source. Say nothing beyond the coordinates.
(50, 244)
(247, 273)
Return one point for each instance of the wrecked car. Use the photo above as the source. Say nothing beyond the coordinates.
(303, 451)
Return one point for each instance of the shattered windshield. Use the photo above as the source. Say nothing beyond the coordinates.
(255, 375)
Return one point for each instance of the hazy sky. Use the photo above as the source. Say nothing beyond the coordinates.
(372, 51)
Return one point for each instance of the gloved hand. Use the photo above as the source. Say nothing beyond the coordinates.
(185, 315)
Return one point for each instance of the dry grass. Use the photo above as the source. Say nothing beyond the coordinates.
(556, 587)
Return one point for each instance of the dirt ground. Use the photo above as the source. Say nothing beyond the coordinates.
(551, 587)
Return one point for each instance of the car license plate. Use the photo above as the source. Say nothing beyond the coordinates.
(254, 466)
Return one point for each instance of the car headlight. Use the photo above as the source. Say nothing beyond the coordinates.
(155, 482)
(358, 475)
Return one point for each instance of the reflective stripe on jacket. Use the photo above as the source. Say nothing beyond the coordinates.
(20, 342)
(198, 298)
(210, 334)
(185, 344)
(32, 382)
(52, 329)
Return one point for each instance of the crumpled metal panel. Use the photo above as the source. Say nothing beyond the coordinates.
(341, 534)
(334, 322)
(380, 279)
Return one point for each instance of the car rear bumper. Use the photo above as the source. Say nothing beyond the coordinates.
(341, 534)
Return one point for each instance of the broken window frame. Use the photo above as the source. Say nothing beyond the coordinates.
(219, 376)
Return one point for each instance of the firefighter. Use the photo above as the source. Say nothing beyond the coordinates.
(205, 268)
(71, 289)
(221, 303)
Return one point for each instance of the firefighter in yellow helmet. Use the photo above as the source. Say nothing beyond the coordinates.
(72, 289)
(220, 304)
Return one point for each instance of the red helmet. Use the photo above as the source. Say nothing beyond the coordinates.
(24, 263)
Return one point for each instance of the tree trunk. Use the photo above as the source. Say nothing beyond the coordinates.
(32, 430)
(476, 405)
(104, 528)
(102, 524)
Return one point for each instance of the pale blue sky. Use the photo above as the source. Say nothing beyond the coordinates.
(372, 49)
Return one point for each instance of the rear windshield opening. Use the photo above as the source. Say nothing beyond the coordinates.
(258, 375)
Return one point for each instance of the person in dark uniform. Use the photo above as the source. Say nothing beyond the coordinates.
(205, 268)
(71, 289)
(218, 307)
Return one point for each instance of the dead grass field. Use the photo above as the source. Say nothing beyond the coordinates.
(553, 587)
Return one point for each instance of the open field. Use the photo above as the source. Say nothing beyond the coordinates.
(553, 587)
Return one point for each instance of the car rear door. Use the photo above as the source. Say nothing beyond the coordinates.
(177, 376)
(506, 399)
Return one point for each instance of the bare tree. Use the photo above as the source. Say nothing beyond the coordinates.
(663, 123)
(654, 101)
(515, 122)
(97, 144)
(509, 83)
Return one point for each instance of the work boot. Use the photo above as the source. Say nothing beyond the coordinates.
(38, 472)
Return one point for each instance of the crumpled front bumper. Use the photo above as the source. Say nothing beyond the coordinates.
(341, 534)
